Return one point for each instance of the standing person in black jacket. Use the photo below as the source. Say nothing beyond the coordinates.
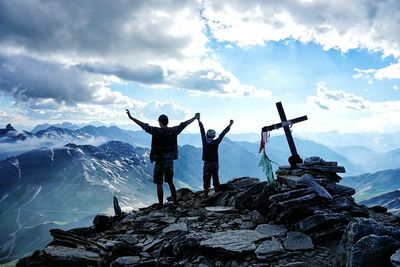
(210, 156)
(164, 150)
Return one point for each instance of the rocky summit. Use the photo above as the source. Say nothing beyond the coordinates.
(305, 218)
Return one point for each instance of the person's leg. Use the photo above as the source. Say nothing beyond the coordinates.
(169, 176)
(215, 177)
(173, 192)
(158, 180)
(160, 194)
(206, 178)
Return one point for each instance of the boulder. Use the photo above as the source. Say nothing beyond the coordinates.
(102, 222)
(395, 259)
(372, 250)
(357, 229)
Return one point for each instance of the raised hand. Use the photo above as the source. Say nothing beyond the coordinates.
(127, 112)
(230, 122)
(197, 115)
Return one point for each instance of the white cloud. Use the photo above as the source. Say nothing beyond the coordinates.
(334, 24)
(337, 99)
(390, 72)
(343, 108)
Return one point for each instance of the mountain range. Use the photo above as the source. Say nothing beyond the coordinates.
(65, 185)
(39, 170)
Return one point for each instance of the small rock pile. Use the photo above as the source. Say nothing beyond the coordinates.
(304, 219)
(310, 200)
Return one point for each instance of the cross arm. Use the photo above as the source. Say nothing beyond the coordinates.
(279, 125)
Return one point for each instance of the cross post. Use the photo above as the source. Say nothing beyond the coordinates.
(286, 124)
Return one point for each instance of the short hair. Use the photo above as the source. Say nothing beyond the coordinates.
(163, 119)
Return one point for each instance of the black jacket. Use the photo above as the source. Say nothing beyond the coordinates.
(210, 149)
(164, 144)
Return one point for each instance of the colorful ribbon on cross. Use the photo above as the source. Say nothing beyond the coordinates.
(265, 162)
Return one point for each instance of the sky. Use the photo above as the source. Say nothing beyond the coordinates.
(336, 61)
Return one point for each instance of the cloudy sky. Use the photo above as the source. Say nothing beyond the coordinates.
(336, 61)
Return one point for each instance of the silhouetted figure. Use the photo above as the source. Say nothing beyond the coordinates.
(210, 156)
(164, 150)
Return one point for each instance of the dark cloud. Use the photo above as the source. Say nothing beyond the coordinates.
(27, 78)
(92, 28)
(147, 75)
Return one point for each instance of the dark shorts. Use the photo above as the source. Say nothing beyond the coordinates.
(163, 169)
(210, 169)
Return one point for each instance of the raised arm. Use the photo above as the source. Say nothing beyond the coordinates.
(138, 122)
(186, 123)
(224, 132)
(202, 132)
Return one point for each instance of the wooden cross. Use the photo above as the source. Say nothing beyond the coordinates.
(294, 158)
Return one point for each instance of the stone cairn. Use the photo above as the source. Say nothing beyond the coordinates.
(304, 219)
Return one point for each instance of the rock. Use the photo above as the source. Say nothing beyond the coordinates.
(322, 168)
(290, 180)
(268, 248)
(63, 256)
(244, 200)
(310, 181)
(320, 220)
(117, 208)
(297, 264)
(314, 160)
(184, 194)
(271, 230)
(175, 227)
(220, 209)
(298, 241)
(372, 250)
(378, 209)
(256, 217)
(357, 229)
(395, 259)
(338, 189)
(290, 194)
(243, 183)
(102, 222)
(234, 241)
(247, 225)
(125, 261)
(300, 201)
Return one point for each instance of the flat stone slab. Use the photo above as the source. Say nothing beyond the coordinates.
(73, 255)
(298, 241)
(235, 241)
(125, 261)
(271, 230)
(291, 194)
(290, 180)
(175, 227)
(310, 181)
(339, 169)
(220, 209)
(268, 248)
